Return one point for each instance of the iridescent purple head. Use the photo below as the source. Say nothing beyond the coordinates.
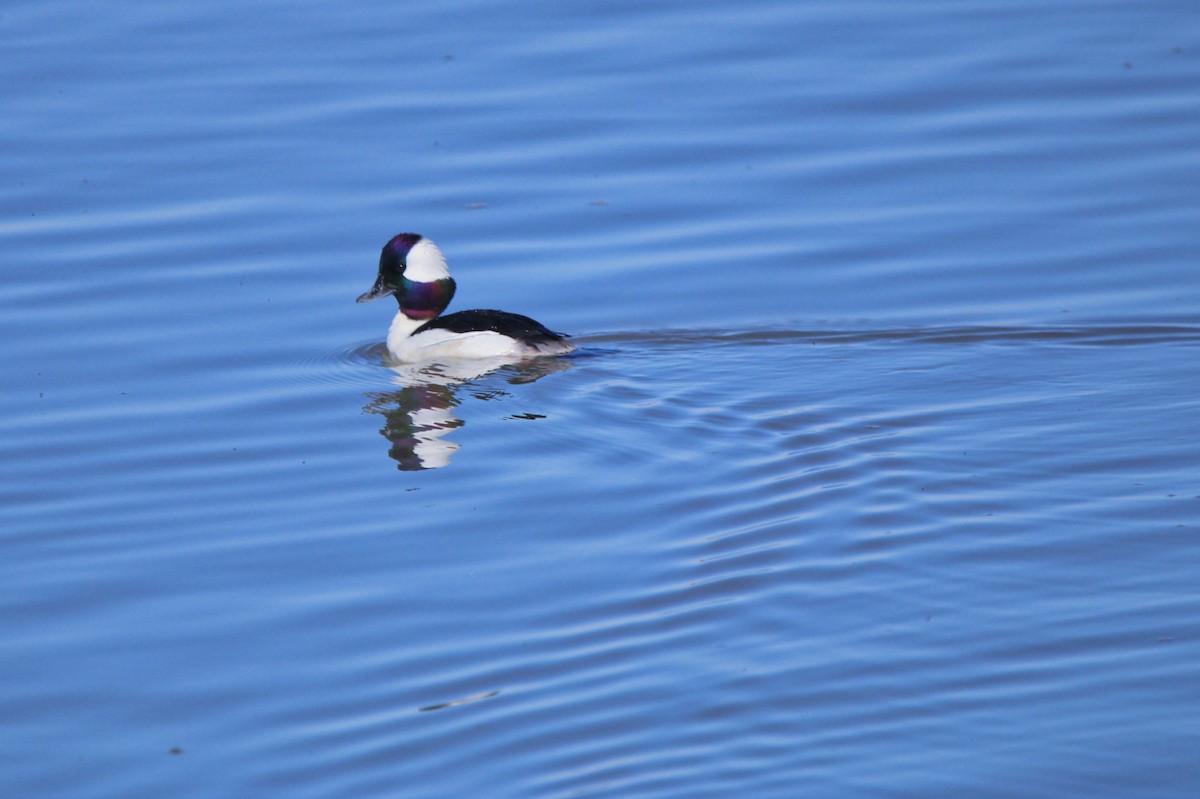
(413, 269)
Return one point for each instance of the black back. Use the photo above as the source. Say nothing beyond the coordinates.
(512, 325)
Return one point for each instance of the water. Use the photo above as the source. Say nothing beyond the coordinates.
(875, 473)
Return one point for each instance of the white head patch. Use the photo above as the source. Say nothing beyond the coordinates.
(425, 263)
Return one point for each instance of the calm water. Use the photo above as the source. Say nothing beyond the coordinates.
(876, 474)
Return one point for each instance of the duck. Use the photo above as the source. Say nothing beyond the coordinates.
(413, 270)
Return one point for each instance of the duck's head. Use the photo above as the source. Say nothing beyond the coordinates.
(413, 269)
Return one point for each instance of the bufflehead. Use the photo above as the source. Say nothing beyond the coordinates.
(413, 269)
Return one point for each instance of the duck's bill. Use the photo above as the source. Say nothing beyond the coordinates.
(377, 291)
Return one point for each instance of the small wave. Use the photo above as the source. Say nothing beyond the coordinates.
(1131, 334)
(364, 362)
(352, 365)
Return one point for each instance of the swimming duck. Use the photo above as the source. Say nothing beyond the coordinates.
(413, 270)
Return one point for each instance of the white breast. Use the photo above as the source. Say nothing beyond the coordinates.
(441, 343)
(438, 343)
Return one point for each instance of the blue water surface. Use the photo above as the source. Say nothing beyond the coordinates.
(876, 472)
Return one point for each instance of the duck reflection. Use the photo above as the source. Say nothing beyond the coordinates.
(421, 414)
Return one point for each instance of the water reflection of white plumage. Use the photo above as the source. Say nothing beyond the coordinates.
(420, 413)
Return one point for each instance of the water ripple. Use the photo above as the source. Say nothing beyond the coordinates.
(1125, 334)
